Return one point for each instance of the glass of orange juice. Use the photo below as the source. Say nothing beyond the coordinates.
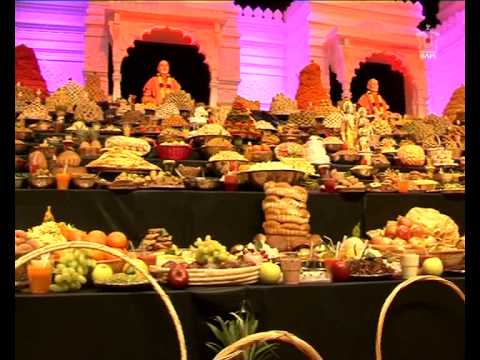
(63, 180)
(403, 186)
(39, 276)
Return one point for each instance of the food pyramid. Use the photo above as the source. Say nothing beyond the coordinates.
(251, 105)
(181, 99)
(24, 93)
(59, 99)
(94, 89)
(27, 69)
(87, 110)
(239, 123)
(310, 93)
(36, 111)
(282, 105)
(456, 104)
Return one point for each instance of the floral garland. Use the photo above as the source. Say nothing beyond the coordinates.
(376, 102)
(165, 86)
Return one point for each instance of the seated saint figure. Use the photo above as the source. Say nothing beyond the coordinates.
(160, 86)
(372, 100)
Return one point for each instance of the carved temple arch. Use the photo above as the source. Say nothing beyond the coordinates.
(124, 38)
(174, 35)
(401, 65)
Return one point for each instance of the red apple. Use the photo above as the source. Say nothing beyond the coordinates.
(20, 234)
(177, 277)
(404, 221)
(391, 230)
(403, 232)
(340, 271)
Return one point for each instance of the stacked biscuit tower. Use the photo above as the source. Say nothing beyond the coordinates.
(286, 216)
(156, 239)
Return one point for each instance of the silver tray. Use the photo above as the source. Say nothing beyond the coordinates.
(384, 276)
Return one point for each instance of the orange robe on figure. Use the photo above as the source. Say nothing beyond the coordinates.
(373, 102)
(158, 87)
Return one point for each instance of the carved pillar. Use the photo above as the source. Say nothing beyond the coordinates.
(422, 100)
(117, 54)
(349, 65)
(228, 62)
(96, 43)
(213, 92)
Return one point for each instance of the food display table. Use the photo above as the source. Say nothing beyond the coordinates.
(339, 320)
(232, 217)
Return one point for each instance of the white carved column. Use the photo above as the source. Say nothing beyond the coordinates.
(228, 62)
(117, 54)
(213, 92)
(96, 43)
(349, 66)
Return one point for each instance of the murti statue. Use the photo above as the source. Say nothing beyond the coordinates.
(159, 86)
(365, 131)
(349, 129)
(372, 100)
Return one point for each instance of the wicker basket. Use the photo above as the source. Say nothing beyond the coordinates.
(234, 350)
(88, 245)
(174, 152)
(391, 297)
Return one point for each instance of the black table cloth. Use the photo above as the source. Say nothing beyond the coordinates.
(339, 320)
(231, 217)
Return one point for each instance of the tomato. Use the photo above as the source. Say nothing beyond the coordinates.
(404, 221)
(419, 230)
(403, 232)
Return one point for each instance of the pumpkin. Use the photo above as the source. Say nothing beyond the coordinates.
(37, 161)
(411, 155)
(69, 158)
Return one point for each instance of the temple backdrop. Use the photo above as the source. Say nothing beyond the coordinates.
(253, 52)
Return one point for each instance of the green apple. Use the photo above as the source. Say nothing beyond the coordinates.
(102, 273)
(432, 266)
(270, 273)
(128, 269)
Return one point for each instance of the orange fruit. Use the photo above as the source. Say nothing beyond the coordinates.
(74, 235)
(97, 236)
(96, 254)
(117, 239)
(64, 230)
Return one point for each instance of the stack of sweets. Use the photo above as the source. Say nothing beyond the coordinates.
(156, 240)
(287, 219)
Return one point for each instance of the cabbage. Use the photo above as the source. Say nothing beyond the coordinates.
(440, 225)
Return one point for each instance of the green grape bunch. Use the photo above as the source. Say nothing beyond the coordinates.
(210, 252)
(71, 271)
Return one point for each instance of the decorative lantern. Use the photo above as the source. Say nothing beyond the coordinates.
(428, 43)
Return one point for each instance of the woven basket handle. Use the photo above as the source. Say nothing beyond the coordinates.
(235, 349)
(88, 245)
(393, 294)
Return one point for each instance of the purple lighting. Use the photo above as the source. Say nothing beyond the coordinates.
(446, 72)
(55, 31)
